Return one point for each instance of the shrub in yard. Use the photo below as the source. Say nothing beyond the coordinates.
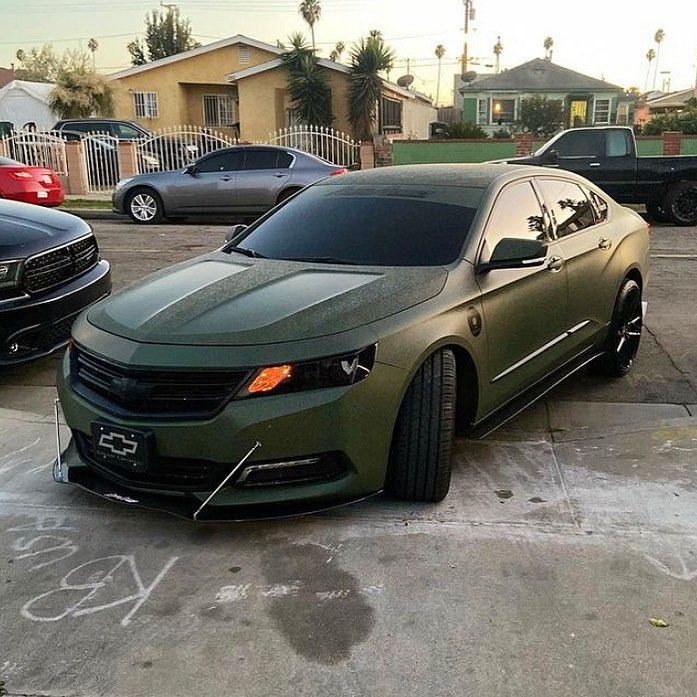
(541, 116)
(502, 134)
(685, 121)
(466, 131)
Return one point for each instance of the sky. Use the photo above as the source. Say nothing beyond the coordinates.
(602, 38)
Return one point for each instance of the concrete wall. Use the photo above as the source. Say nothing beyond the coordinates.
(175, 106)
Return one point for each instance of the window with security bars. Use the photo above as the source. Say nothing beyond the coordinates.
(145, 105)
(219, 110)
(601, 114)
(391, 115)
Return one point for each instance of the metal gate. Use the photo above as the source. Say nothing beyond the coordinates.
(101, 153)
(37, 149)
(335, 146)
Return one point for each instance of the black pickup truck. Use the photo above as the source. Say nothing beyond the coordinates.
(607, 156)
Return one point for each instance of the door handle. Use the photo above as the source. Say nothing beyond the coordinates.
(555, 264)
(226, 179)
(278, 175)
(604, 243)
(594, 164)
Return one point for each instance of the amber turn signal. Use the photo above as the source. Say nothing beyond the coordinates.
(270, 378)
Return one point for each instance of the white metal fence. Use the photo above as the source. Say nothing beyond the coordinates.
(101, 153)
(37, 149)
(173, 148)
(335, 146)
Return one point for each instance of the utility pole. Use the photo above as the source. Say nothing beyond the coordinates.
(469, 15)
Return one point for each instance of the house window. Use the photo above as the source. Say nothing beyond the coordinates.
(601, 111)
(391, 115)
(244, 54)
(145, 105)
(623, 114)
(503, 111)
(219, 110)
(482, 112)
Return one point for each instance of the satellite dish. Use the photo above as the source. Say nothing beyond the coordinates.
(468, 76)
(405, 81)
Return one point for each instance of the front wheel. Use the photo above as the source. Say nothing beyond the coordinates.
(681, 203)
(420, 460)
(144, 206)
(624, 336)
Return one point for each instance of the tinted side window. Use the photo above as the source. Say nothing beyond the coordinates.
(618, 144)
(261, 159)
(568, 204)
(123, 130)
(600, 205)
(221, 162)
(80, 127)
(285, 159)
(516, 213)
(580, 144)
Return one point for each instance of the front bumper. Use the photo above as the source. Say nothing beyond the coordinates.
(353, 424)
(39, 326)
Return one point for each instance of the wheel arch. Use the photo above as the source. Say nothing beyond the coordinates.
(287, 192)
(145, 186)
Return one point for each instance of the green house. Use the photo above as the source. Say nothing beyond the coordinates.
(493, 101)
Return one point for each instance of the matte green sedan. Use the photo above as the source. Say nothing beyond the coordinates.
(334, 348)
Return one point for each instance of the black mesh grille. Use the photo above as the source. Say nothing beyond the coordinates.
(153, 393)
(60, 265)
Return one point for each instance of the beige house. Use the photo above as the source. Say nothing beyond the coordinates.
(238, 86)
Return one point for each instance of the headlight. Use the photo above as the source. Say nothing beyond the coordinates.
(120, 184)
(336, 371)
(10, 271)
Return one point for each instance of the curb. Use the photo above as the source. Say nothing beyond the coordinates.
(94, 213)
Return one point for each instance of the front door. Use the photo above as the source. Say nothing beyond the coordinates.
(525, 310)
(581, 151)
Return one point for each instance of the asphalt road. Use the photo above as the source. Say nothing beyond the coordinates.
(563, 535)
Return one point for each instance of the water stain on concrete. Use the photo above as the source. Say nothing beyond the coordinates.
(319, 625)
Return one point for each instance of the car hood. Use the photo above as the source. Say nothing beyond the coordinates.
(26, 229)
(223, 299)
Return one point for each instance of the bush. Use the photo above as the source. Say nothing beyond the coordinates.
(685, 121)
(502, 134)
(466, 131)
(541, 116)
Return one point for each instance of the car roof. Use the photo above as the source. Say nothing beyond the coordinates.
(473, 175)
(97, 118)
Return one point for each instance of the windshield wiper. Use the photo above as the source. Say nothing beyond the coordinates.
(246, 252)
(321, 260)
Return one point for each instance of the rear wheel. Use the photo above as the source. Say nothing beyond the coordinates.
(624, 336)
(656, 212)
(681, 203)
(420, 461)
(144, 206)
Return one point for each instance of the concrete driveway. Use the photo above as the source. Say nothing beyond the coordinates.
(563, 535)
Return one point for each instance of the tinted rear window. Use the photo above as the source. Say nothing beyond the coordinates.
(386, 225)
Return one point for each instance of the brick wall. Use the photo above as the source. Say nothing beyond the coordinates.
(672, 142)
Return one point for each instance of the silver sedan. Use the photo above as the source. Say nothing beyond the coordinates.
(245, 179)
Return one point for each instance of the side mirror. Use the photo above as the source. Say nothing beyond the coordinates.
(551, 157)
(191, 170)
(233, 231)
(515, 253)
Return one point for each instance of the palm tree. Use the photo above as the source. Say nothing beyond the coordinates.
(498, 50)
(548, 44)
(650, 55)
(93, 45)
(311, 11)
(338, 49)
(369, 57)
(440, 52)
(658, 39)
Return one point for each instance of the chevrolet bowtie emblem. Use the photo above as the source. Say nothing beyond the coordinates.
(118, 444)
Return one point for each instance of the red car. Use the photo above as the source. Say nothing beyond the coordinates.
(21, 182)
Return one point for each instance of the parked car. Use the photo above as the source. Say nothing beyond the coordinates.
(608, 158)
(331, 349)
(20, 182)
(50, 270)
(242, 179)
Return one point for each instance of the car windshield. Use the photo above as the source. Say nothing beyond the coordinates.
(368, 225)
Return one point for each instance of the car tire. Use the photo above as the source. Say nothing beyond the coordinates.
(144, 206)
(624, 335)
(286, 194)
(681, 203)
(420, 458)
(656, 213)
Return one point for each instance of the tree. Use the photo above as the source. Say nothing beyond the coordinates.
(498, 50)
(369, 57)
(310, 94)
(37, 64)
(311, 11)
(549, 45)
(541, 116)
(80, 92)
(658, 39)
(650, 55)
(166, 34)
(440, 52)
(338, 49)
(93, 45)
(684, 121)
